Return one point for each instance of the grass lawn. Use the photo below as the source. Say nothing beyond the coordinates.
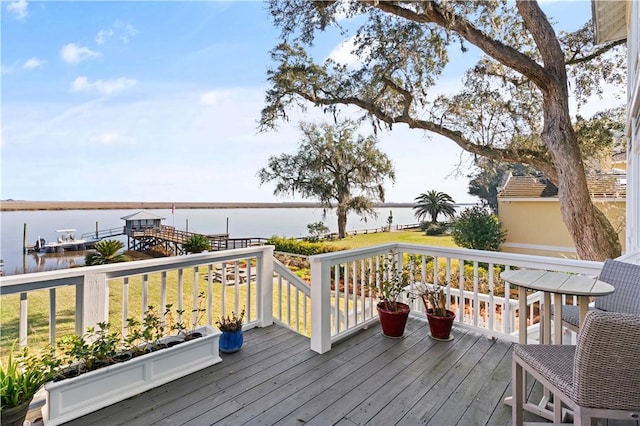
(406, 236)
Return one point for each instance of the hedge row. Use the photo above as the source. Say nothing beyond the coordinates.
(305, 248)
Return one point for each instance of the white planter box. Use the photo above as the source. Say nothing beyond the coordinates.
(77, 396)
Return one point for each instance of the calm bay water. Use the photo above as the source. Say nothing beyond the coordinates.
(244, 222)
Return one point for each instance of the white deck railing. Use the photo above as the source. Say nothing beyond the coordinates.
(222, 281)
(472, 279)
(334, 306)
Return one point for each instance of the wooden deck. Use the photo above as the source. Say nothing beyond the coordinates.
(366, 379)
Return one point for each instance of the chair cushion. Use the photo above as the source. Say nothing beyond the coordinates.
(625, 277)
(553, 362)
(571, 314)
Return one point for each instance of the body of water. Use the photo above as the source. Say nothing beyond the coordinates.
(243, 222)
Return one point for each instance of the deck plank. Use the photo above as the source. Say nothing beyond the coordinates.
(367, 379)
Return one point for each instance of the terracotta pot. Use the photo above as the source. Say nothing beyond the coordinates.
(15, 416)
(393, 322)
(441, 326)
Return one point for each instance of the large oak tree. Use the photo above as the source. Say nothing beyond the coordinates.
(335, 167)
(513, 105)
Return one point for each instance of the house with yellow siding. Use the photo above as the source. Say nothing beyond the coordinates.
(529, 210)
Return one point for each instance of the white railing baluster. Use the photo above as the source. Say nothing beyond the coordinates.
(145, 291)
(354, 288)
(195, 299)
(163, 293)
(236, 286)
(247, 303)
(506, 313)
(492, 306)
(22, 334)
(52, 315)
(476, 303)
(125, 306)
(288, 303)
(336, 297)
(209, 292)
(363, 289)
(461, 291)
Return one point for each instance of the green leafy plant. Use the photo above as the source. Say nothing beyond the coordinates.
(391, 281)
(476, 228)
(106, 251)
(231, 322)
(96, 348)
(179, 326)
(196, 244)
(24, 373)
(306, 248)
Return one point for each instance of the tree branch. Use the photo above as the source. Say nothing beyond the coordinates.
(507, 55)
(597, 53)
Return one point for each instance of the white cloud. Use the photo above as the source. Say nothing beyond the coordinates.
(102, 36)
(342, 53)
(209, 98)
(121, 30)
(104, 87)
(33, 63)
(73, 54)
(113, 138)
(18, 9)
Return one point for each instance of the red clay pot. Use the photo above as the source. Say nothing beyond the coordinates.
(393, 322)
(441, 326)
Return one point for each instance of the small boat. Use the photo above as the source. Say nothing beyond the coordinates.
(66, 240)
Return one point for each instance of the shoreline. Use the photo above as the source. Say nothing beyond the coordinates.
(19, 205)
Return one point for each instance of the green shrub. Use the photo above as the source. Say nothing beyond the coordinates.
(305, 248)
(196, 244)
(431, 229)
(477, 228)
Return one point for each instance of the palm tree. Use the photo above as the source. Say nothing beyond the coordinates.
(434, 203)
(106, 252)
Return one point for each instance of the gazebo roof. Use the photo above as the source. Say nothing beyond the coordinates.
(142, 215)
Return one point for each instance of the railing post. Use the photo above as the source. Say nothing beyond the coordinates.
(320, 305)
(266, 287)
(92, 302)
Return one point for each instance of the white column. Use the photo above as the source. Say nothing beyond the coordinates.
(92, 302)
(265, 265)
(320, 305)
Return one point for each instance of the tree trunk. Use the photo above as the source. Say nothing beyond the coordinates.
(594, 236)
(342, 222)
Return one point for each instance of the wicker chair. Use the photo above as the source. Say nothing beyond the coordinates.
(597, 378)
(625, 277)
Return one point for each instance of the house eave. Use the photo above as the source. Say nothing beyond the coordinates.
(609, 20)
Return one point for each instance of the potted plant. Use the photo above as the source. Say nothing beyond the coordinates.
(232, 336)
(440, 318)
(21, 377)
(391, 281)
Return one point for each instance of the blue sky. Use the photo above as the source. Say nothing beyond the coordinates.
(159, 101)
